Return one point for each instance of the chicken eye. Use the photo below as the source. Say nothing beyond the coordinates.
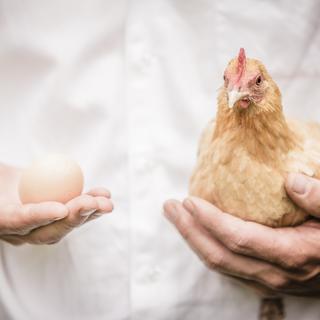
(224, 77)
(258, 80)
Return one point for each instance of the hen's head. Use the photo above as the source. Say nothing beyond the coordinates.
(248, 86)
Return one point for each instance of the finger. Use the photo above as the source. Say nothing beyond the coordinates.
(80, 208)
(305, 192)
(20, 219)
(100, 191)
(218, 257)
(260, 289)
(275, 245)
(105, 206)
(14, 240)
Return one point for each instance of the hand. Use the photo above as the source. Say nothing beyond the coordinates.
(46, 222)
(280, 260)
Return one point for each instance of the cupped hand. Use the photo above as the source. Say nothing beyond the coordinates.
(279, 260)
(49, 222)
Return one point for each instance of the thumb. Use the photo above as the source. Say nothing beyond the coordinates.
(305, 192)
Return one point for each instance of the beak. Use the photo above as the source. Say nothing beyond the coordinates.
(234, 96)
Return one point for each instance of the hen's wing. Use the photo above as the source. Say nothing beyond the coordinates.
(206, 137)
(307, 160)
(200, 183)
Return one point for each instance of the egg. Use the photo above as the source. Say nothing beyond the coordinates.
(54, 177)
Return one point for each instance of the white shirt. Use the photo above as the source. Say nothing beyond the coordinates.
(126, 87)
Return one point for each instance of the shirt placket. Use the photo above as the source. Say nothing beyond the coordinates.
(139, 65)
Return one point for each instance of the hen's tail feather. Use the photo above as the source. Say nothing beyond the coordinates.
(271, 309)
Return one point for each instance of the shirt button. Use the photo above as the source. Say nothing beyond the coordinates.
(146, 61)
(153, 274)
(145, 164)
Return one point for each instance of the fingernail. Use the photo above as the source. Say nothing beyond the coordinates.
(170, 211)
(87, 213)
(108, 194)
(298, 183)
(188, 204)
(98, 214)
(57, 218)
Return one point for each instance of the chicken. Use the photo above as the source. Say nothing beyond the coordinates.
(246, 153)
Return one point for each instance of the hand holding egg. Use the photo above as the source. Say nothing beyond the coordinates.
(52, 203)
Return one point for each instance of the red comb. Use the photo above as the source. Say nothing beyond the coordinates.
(241, 63)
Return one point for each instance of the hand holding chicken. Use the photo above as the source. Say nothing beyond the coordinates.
(244, 159)
(284, 260)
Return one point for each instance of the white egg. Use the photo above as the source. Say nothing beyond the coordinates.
(51, 178)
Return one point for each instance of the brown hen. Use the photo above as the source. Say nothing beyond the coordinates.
(245, 155)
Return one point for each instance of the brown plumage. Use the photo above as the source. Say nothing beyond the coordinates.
(245, 155)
